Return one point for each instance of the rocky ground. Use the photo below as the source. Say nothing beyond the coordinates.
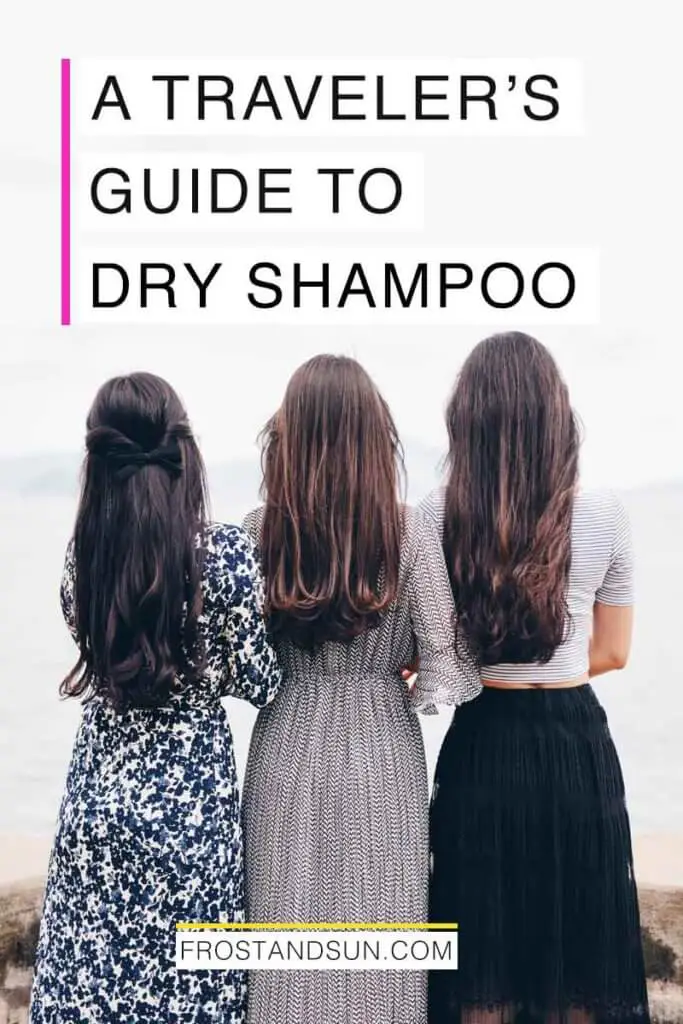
(662, 914)
(661, 909)
(19, 916)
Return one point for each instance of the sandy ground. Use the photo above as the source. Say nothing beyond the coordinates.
(658, 859)
(23, 858)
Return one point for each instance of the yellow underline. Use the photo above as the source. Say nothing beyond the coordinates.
(317, 926)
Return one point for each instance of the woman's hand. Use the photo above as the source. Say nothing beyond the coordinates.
(410, 670)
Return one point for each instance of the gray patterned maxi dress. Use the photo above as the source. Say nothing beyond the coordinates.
(335, 806)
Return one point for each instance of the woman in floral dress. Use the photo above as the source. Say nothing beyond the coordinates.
(166, 609)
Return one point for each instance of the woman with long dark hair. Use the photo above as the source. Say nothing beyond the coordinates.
(336, 797)
(166, 609)
(530, 839)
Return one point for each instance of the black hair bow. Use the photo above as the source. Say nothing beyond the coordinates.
(167, 456)
(126, 457)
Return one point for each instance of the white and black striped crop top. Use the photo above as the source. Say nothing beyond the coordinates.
(601, 571)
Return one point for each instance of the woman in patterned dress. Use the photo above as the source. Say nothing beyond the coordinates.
(335, 798)
(166, 609)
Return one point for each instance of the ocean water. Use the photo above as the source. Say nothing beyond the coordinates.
(644, 703)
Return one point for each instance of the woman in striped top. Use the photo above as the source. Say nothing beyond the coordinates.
(530, 839)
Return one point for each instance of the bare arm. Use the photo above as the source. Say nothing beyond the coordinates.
(613, 609)
(611, 640)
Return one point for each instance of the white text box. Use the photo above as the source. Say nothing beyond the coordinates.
(335, 285)
(342, 97)
(272, 193)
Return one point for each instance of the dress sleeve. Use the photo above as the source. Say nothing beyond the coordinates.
(67, 591)
(252, 524)
(617, 588)
(445, 675)
(252, 670)
(432, 508)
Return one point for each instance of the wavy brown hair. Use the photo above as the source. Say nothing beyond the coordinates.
(332, 465)
(138, 564)
(513, 468)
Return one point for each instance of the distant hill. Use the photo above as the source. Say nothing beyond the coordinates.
(50, 475)
(235, 482)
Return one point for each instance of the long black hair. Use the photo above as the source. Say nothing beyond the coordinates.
(513, 471)
(137, 560)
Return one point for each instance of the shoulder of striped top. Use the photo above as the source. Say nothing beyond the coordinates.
(600, 509)
(599, 501)
(604, 514)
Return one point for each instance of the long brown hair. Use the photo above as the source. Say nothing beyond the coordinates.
(513, 468)
(331, 530)
(137, 593)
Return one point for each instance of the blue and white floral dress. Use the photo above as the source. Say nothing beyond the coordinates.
(149, 828)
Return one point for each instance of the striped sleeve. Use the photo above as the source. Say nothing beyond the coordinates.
(617, 588)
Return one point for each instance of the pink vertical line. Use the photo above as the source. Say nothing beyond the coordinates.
(66, 191)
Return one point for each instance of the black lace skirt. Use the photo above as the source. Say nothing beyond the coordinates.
(531, 855)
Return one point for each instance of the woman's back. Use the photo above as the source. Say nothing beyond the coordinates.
(422, 611)
(600, 571)
(336, 796)
(167, 613)
(149, 828)
(236, 660)
(530, 839)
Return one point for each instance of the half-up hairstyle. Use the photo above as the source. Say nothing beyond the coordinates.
(136, 550)
(513, 468)
(332, 468)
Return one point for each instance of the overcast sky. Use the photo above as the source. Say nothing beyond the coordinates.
(618, 188)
